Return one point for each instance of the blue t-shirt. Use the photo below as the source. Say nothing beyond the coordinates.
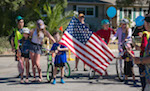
(24, 45)
(61, 56)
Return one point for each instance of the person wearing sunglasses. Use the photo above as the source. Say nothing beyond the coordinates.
(36, 47)
(81, 18)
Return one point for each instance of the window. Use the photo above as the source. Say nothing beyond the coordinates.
(128, 13)
(145, 11)
(89, 11)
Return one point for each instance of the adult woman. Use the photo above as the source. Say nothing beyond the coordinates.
(124, 33)
(36, 45)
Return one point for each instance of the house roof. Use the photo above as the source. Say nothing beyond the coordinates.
(93, 1)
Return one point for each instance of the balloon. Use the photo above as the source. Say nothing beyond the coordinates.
(111, 12)
(139, 21)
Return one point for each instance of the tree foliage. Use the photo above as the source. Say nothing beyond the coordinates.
(30, 10)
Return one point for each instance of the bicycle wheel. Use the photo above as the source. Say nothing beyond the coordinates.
(49, 72)
(67, 70)
(120, 69)
(91, 73)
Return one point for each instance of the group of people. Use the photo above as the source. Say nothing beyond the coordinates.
(28, 44)
(124, 35)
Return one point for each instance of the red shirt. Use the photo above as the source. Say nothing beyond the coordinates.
(143, 44)
(105, 34)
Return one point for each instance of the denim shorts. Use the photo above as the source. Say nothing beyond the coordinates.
(36, 48)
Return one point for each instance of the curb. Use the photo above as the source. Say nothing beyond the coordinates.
(7, 55)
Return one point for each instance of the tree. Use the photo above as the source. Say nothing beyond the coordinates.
(56, 16)
(8, 9)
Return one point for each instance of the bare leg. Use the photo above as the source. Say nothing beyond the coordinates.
(76, 62)
(62, 72)
(55, 72)
(27, 68)
(37, 61)
(22, 59)
(126, 77)
(32, 55)
(133, 74)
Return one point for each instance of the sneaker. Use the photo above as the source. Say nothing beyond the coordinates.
(62, 81)
(134, 83)
(85, 69)
(54, 82)
(126, 82)
(75, 69)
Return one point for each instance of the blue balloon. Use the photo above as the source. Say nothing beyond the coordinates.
(139, 21)
(111, 12)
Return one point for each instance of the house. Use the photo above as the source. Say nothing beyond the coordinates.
(95, 11)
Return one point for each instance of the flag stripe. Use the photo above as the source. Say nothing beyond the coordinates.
(105, 49)
(87, 46)
(100, 49)
(100, 55)
(82, 56)
(86, 49)
(81, 49)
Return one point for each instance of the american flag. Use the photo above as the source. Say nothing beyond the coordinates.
(87, 46)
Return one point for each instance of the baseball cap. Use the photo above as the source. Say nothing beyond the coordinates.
(124, 21)
(105, 21)
(26, 30)
(147, 18)
(40, 24)
(81, 15)
(18, 18)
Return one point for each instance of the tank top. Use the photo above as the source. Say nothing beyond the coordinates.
(36, 39)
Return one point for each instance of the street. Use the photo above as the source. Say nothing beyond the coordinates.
(78, 81)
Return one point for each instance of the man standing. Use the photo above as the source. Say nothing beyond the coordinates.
(81, 19)
(146, 58)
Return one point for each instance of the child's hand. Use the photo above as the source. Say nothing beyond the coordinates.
(56, 51)
(58, 48)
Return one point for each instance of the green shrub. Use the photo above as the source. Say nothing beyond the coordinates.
(4, 44)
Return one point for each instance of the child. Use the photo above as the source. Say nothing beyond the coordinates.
(128, 62)
(105, 33)
(24, 45)
(124, 33)
(60, 58)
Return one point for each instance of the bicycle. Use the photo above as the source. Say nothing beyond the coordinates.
(50, 67)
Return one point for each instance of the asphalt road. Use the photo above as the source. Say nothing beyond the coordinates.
(78, 81)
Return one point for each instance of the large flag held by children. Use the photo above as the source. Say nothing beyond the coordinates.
(87, 46)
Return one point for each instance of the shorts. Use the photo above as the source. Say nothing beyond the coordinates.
(60, 65)
(25, 55)
(128, 67)
(36, 48)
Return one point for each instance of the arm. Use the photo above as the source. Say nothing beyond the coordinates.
(129, 33)
(138, 60)
(144, 42)
(31, 32)
(50, 37)
(115, 36)
(113, 32)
